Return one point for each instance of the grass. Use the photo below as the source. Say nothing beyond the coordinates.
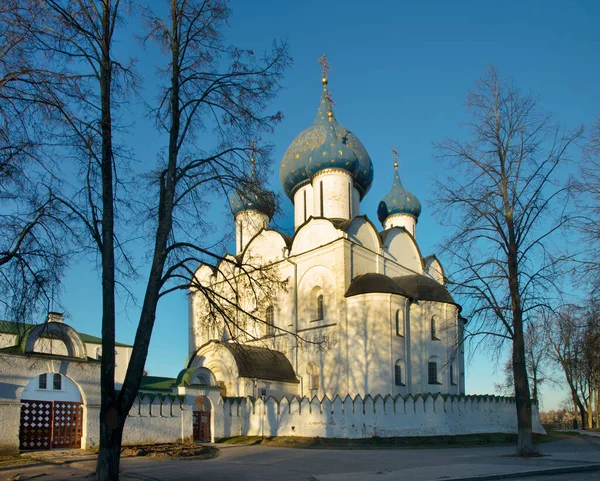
(417, 442)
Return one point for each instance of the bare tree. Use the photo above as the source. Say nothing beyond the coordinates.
(211, 105)
(587, 186)
(538, 362)
(32, 225)
(573, 334)
(505, 201)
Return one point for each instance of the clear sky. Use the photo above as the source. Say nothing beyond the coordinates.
(400, 75)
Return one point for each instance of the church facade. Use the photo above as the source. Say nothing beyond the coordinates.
(341, 308)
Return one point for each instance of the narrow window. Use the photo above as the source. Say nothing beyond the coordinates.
(313, 376)
(320, 307)
(434, 335)
(42, 383)
(57, 382)
(241, 236)
(398, 373)
(452, 381)
(399, 324)
(349, 201)
(304, 205)
(270, 319)
(321, 197)
(432, 372)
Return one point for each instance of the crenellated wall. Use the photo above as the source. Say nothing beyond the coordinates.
(400, 416)
(158, 418)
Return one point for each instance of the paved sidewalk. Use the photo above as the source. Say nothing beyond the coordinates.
(259, 463)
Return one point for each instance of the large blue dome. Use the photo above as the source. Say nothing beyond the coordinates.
(398, 201)
(301, 161)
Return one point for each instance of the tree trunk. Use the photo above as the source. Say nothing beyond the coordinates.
(590, 406)
(522, 394)
(109, 454)
(597, 403)
(107, 468)
(522, 399)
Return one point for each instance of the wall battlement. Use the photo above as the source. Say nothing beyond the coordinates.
(384, 416)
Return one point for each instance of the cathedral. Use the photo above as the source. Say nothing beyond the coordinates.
(342, 307)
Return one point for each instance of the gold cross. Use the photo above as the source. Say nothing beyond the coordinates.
(326, 67)
(396, 155)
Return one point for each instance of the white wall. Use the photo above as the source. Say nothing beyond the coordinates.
(68, 391)
(368, 417)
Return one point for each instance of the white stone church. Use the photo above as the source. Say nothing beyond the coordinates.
(341, 308)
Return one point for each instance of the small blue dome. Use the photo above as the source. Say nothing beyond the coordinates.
(398, 201)
(251, 196)
(299, 164)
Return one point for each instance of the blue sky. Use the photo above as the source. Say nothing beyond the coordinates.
(400, 75)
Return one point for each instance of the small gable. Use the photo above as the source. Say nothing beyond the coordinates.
(434, 269)
(316, 232)
(364, 233)
(266, 247)
(401, 247)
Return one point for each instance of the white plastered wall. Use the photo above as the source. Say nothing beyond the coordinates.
(334, 193)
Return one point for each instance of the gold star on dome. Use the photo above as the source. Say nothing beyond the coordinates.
(297, 156)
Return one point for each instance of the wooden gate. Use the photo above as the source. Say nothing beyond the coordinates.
(50, 424)
(202, 426)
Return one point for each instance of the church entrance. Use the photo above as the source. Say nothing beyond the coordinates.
(202, 420)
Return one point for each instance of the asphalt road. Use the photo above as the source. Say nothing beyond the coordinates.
(259, 463)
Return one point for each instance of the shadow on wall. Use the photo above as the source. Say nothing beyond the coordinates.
(427, 415)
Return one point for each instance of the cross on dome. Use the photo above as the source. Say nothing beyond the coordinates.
(396, 155)
(325, 64)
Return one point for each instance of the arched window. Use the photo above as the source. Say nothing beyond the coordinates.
(320, 306)
(399, 374)
(270, 321)
(57, 382)
(399, 323)
(452, 375)
(317, 304)
(313, 376)
(434, 332)
(432, 371)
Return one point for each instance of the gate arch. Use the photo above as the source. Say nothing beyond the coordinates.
(51, 413)
(203, 419)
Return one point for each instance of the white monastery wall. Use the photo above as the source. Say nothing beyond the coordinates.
(435, 415)
(19, 371)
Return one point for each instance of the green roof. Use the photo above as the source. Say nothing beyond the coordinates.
(19, 328)
(157, 383)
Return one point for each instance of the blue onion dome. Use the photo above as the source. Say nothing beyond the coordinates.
(252, 196)
(299, 161)
(399, 200)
